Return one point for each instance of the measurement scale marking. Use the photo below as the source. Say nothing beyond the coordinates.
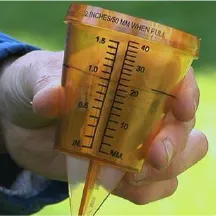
(104, 86)
(112, 129)
(114, 41)
(133, 46)
(125, 79)
(105, 72)
(132, 51)
(130, 65)
(71, 66)
(123, 85)
(122, 90)
(110, 120)
(96, 107)
(130, 60)
(133, 42)
(132, 56)
(90, 125)
(118, 102)
(65, 65)
(112, 47)
(115, 114)
(106, 65)
(93, 117)
(153, 90)
(99, 100)
(90, 136)
(108, 136)
(113, 106)
(120, 96)
(99, 92)
(158, 91)
(107, 79)
(109, 59)
(106, 144)
(113, 54)
(126, 74)
(127, 69)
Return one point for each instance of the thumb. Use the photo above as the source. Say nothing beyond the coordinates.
(31, 89)
(47, 102)
(48, 93)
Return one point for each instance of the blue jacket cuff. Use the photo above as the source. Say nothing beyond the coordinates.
(10, 46)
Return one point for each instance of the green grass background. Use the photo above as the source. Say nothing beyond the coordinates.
(41, 24)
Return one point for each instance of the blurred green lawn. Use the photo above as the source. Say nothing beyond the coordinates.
(41, 23)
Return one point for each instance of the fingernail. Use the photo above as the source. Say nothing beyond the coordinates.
(168, 149)
(138, 177)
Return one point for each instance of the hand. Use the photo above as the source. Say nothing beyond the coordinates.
(176, 148)
(30, 128)
(30, 89)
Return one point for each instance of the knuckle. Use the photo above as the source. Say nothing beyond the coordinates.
(173, 185)
(171, 172)
(139, 198)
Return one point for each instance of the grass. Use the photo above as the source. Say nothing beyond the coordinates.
(41, 23)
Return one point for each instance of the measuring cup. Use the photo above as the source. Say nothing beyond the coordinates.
(120, 75)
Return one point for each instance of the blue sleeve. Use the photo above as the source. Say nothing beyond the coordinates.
(10, 46)
(29, 193)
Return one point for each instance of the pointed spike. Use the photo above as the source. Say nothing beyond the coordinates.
(92, 185)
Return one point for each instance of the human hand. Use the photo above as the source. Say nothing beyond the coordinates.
(30, 97)
(30, 128)
(177, 147)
